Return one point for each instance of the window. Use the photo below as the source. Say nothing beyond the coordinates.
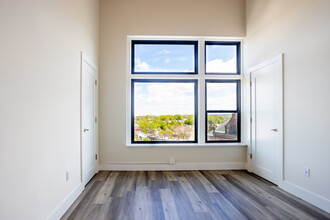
(222, 110)
(164, 111)
(167, 101)
(164, 57)
(222, 57)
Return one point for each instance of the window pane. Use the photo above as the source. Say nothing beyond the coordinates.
(221, 126)
(221, 59)
(164, 111)
(162, 58)
(221, 96)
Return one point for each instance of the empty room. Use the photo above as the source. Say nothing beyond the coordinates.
(164, 109)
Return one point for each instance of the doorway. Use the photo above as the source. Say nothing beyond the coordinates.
(267, 119)
(88, 119)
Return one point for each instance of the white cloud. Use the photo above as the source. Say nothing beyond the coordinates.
(164, 98)
(222, 103)
(164, 51)
(141, 66)
(221, 96)
(221, 87)
(219, 66)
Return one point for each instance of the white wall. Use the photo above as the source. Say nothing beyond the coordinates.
(300, 30)
(155, 17)
(40, 45)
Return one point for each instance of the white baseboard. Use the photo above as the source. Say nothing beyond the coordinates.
(177, 166)
(59, 211)
(315, 199)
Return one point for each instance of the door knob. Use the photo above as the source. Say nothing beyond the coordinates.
(274, 129)
(86, 129)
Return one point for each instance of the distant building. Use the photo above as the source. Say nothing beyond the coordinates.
(231, 126)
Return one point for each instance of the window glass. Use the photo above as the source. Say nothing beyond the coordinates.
(221, 126)
(164, 111)
(164, 58)
(222, 110)
(221, 96)
(222, 58)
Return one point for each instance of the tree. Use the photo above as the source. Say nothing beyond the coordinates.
(188, 122)
(215, 119)
(178, 117)
(161, 124)
(190, 117)
(147, 126)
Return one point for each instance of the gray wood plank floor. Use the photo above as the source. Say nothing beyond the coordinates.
(187, 195)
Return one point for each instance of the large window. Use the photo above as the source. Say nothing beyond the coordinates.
(164, 111)
(167, 96)
(222, 110)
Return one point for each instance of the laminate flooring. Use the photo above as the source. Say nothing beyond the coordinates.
(187, 195)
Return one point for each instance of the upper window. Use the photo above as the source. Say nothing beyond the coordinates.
(164, 57)
(222, 57)
(222, 110)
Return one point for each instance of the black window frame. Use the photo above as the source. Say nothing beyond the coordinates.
(195, 81)
(169, 42)
(225, 43)
(238, 108)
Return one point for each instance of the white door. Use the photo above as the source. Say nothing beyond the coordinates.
(88, 151)
(267, 119)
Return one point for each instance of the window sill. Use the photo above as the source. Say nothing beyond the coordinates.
(186, 145)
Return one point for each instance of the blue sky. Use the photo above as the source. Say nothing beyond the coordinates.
(225, 53)
(180, 58)
(164, 58)
(221, 59)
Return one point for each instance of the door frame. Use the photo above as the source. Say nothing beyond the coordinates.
(86, 61)
(251, 150)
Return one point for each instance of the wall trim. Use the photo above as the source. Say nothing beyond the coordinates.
(177, 166)
(313, 198)
(62, 207)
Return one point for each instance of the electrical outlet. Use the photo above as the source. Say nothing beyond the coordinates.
(172, 161)
(307, 172)
(67, 175)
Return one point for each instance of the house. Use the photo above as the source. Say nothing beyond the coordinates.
(41, 132)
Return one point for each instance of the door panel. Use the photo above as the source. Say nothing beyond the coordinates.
(267, 138)
(87, 122)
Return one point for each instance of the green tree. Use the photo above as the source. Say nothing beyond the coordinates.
(178, 117)
(188, 122)
(163, 117)
(161, 124)
(147, 126)
(215, 119)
